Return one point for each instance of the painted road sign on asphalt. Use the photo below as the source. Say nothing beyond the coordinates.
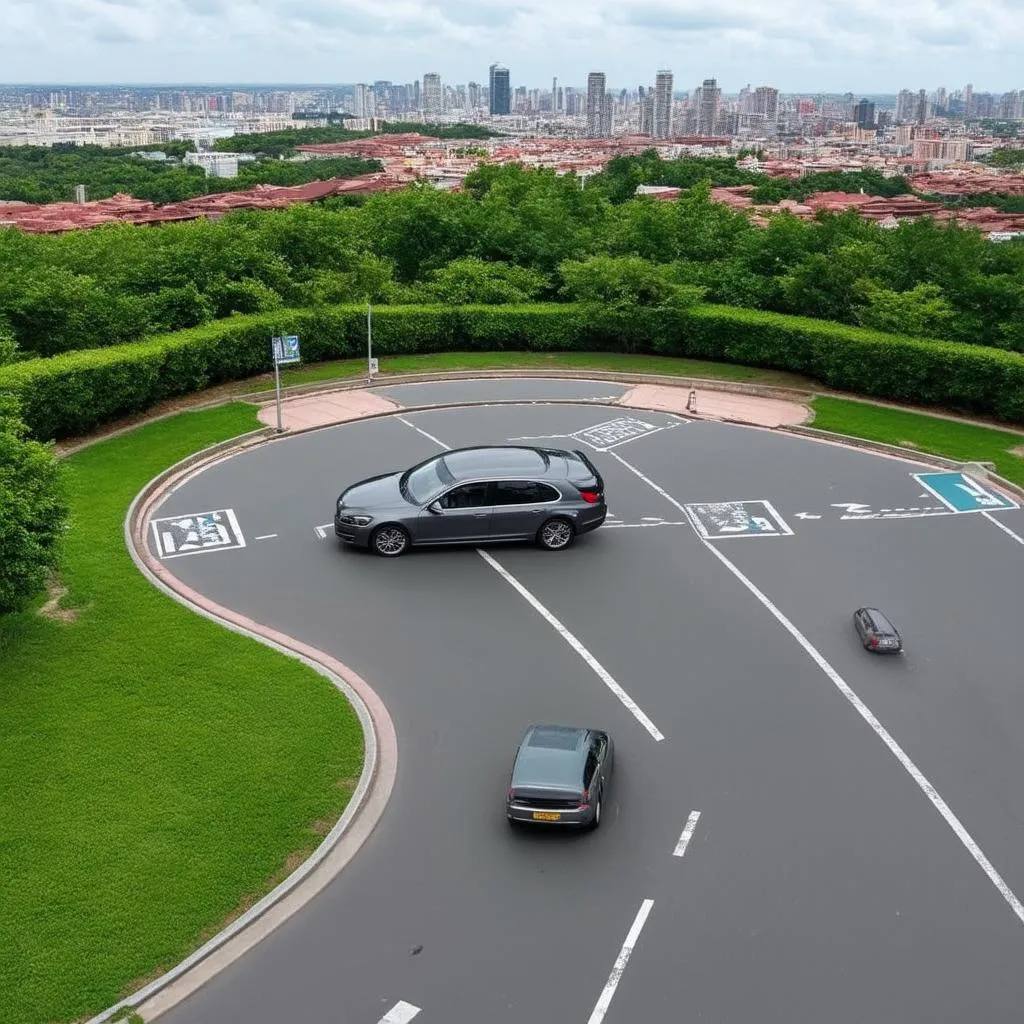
(962, 493)
(607, 435)
(715, 520)
(176, 536)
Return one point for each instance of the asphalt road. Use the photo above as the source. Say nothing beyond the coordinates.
(820, 883)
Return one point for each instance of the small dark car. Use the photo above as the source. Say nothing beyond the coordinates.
(559, 776)
(876, 632)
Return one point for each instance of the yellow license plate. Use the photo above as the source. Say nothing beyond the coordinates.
(546, 816)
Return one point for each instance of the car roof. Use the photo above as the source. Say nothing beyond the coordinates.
(878, 619)
(504, 460)
(551, 755)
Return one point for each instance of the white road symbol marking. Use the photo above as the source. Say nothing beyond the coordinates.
(599, 670)
(401, 1013)
(321, 531)
(621, 961)
(1002, 526)
(197, 533)
(266, 536)
(687, 834)
(807, 515)
(863, 710)
(854, 507)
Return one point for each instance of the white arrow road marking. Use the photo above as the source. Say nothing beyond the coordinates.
(321, 531)
(684, 839)
(807, 515)
(621, 961)
(854, 507)
(401, 1013)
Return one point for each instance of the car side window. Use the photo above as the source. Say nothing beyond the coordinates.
(591, 767)
(522, 492)
(466, 496)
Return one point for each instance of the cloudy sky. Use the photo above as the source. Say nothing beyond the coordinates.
(796, 45)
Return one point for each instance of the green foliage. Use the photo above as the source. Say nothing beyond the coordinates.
(868, 181)
(71, 394)
(626, 282)
(622, 174)
(283, 143)
(8, 344)
(473, 281)
(1007, 156)
(33, 510)
(921, 312)
(38, 174)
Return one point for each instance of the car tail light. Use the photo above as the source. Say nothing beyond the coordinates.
(511, 794)
(873, 641)
(591, 497)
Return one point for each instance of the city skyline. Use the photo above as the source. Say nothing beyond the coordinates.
(873, 48)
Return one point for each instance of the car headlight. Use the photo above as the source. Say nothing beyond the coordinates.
(355, 520)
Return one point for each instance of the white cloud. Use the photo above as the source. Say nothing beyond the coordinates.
(874, 45)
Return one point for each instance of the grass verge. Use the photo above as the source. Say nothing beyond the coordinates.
(962, 441)
(158, 773)
(616, 362)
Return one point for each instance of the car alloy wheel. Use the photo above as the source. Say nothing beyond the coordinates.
(555, 534)
(597, 812)
(390, 541)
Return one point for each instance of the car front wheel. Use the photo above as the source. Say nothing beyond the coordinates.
(556, 534)
(389, 541)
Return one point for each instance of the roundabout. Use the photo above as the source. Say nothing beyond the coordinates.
(797, 830)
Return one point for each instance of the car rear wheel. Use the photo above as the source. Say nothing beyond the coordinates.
(389, 541)
(596, 823)
(556, 534)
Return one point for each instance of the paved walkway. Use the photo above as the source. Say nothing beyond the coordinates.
(324, 409)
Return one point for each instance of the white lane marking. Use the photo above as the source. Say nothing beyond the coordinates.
(605, 999)
(420, 430)
(266, 536)
(1002, 526)
(599, 670)
(401, 1013)
(687, 834)
(321, 531)
(865, 712)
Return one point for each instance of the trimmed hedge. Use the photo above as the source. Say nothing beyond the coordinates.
(71, 394)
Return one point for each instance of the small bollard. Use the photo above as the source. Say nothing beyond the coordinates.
(691, 402)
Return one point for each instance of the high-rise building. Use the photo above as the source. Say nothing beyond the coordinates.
(707, 110)
(922, 106)
(595, 104)
(661, 118)
(864, 114)
(473, 92)
(500, 90)
(432, 95)
(765, 102)
(556, 106)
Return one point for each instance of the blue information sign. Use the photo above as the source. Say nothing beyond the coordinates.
(286, 349)
(962, 493)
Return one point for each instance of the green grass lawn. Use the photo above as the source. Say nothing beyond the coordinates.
(158, 773)
(961, 441)
(617, 362)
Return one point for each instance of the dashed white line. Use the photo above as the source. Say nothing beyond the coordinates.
(864, 711)
(266, 536)
(401, 1013)
(621, 961)
(599, 670)
(1002, 526)
(420, 430)
(687, 834)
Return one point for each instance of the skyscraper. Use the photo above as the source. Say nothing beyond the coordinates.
(500, 90)
(433, 97)
(595, 104)
(661, 126)
(707, 112)
(864, 114)
(766, 103)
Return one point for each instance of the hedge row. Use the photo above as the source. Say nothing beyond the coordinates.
(71, 394)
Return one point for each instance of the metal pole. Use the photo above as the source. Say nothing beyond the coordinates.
(277, 388)
(369, 342)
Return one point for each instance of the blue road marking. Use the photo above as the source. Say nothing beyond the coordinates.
(962, 493)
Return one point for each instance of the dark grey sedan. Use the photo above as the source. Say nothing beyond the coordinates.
(475, 496)
(559, 776)
(876, 632)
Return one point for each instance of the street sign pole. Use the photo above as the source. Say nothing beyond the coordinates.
(283, 349)
(369, 343)
(277, 388)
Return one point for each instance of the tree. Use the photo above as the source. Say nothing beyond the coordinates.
(8, 344)
(625, 282)
(33, 510)
(471, 280)
(921, 312)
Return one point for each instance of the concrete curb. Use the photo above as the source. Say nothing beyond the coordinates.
(364, 809)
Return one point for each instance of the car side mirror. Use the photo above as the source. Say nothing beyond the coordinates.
(435, 507)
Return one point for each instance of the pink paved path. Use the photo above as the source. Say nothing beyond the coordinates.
(726, 405)
(340, 406)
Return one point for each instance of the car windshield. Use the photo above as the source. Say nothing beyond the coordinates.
(424, 483)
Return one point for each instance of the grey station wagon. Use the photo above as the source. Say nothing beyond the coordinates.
(876, 632)
(559, 776)
(475, 496)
